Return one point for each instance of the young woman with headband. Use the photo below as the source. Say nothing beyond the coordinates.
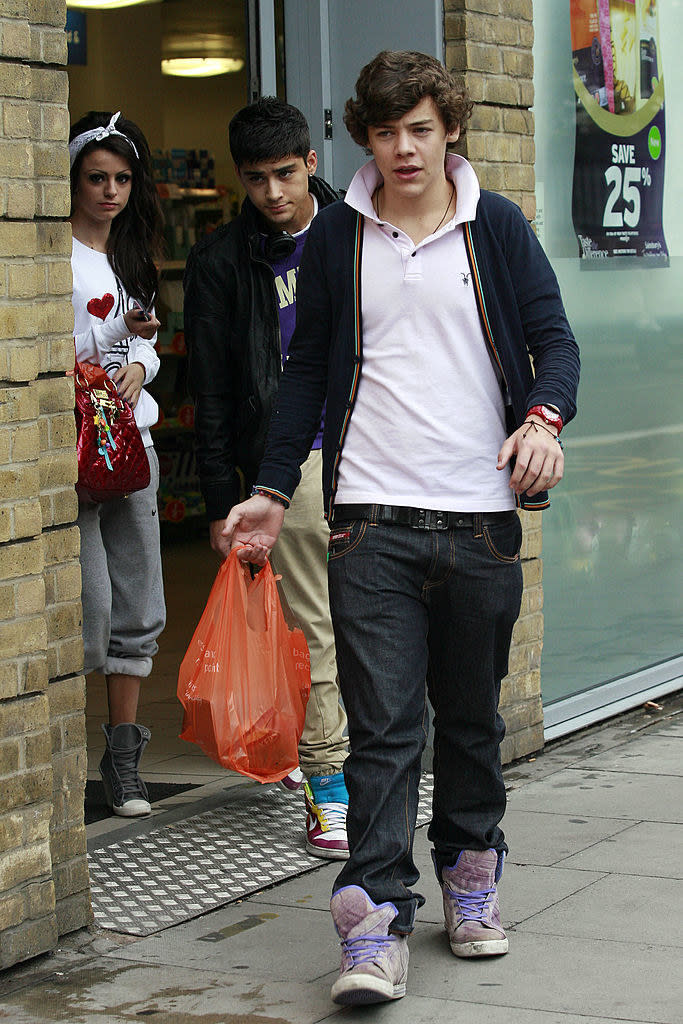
(117, 236)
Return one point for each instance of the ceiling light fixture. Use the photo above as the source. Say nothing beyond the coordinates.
(201, 39)
(106, 5)
(200, 67)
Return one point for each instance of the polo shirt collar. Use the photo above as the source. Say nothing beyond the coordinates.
(458, 170)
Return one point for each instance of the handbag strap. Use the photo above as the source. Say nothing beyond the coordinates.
(104, 388)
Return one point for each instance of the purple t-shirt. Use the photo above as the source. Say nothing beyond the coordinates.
(285, 271)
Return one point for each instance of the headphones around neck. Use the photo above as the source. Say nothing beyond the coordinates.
(279, 246)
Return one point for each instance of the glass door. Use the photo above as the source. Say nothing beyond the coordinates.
(327, 44)
(266, 48)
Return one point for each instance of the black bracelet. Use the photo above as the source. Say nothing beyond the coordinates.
(269, 494)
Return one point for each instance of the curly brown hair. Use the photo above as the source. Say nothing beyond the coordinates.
(394, 82)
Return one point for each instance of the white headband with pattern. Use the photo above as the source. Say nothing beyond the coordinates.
(97, 135)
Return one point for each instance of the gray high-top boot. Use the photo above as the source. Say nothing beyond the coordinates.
(125, 791)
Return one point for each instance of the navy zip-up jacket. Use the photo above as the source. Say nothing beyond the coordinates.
(521, 312)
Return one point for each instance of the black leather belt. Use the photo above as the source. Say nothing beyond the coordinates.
(419, 518)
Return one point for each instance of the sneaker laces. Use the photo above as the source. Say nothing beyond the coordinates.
(366, 949)
(330, 816)
(125, 762)
(472, 905)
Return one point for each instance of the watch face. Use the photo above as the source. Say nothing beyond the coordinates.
(552, 417)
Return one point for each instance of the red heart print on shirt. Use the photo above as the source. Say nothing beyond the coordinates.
(100, 307)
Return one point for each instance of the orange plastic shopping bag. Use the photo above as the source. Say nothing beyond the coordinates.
(245, 679)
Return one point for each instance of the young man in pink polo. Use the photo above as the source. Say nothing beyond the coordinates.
(422, 300)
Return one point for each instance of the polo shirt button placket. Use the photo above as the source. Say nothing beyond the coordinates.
(413, 264)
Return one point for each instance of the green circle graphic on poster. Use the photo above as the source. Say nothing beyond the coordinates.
(654, 142)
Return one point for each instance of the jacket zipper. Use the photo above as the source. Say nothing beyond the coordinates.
(257, 259)
(481, 306)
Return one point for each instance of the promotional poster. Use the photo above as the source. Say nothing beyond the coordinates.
(620, 136)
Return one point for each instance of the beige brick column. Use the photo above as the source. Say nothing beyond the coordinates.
(43, 868)
(489, 47)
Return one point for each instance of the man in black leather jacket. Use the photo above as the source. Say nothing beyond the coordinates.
(240, 302)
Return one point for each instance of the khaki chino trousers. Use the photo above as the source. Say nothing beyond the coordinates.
(300, 556)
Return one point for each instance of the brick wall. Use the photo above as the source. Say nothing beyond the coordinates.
(488, 46)
(43, 868)
(521, 705)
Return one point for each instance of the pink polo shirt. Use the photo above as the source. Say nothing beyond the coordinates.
(429, 419)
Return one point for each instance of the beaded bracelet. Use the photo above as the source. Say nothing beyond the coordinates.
(269, 494)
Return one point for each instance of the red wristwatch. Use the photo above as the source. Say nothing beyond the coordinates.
(549, 416)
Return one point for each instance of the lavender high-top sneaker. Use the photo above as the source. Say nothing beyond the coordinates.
(470, 903)
(374, 964)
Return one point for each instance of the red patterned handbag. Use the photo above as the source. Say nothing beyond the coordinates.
(112, 461)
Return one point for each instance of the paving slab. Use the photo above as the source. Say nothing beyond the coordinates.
(654, 755)
(566, 975)
(615, 907)
(524, 890)
(112, 992)
(617, 730)
(271, 943)
(645, 849)
(312, 890)
(584, 793)
(543, 837)
(423, 1010)
(674, 728)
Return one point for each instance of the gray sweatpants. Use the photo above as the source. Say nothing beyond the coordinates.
(122, 586)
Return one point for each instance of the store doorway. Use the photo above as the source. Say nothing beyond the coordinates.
(121, 62)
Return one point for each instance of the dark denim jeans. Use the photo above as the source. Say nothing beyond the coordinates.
(407, 606)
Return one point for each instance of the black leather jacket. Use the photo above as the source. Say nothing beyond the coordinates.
(232, 332)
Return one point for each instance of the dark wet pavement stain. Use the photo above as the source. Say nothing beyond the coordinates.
(105, 991)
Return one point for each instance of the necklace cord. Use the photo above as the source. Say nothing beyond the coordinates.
(450, 200)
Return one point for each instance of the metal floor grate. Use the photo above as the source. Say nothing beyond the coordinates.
(172, 874)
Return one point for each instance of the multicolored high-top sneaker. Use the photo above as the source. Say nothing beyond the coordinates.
(470, 903)
(327, 802)
(374, 964)
(293, 782)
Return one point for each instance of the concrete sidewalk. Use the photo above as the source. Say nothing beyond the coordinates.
(591, 900)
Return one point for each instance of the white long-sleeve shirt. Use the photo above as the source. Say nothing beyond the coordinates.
(100, 302)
